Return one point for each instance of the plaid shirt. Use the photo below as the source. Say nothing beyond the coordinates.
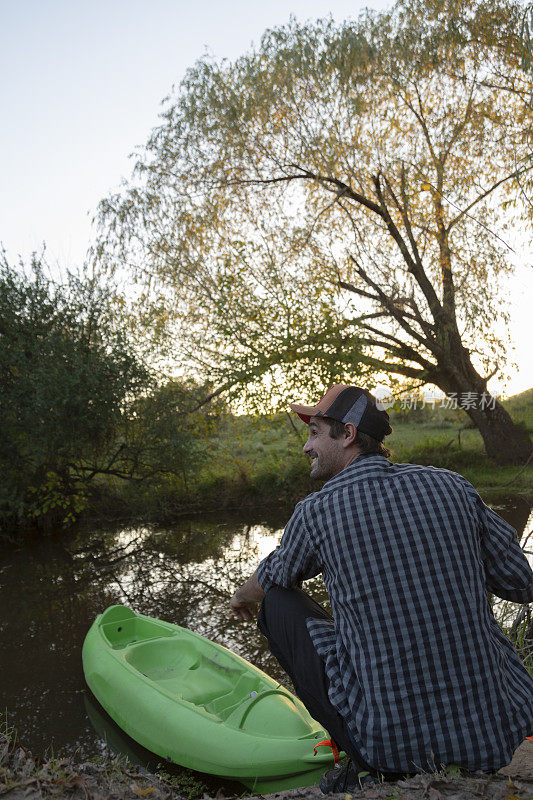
(417, 665)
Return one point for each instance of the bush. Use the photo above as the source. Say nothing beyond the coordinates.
(77, 402)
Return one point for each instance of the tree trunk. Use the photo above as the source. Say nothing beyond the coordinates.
(505, 441)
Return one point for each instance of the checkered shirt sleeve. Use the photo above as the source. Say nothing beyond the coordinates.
(507, 572)
(294, 561)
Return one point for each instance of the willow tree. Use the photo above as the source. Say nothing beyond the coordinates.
(334, 204)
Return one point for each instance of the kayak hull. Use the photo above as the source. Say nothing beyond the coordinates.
(199, 705)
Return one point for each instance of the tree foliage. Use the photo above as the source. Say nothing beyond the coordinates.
(335, 203)
(76, 401)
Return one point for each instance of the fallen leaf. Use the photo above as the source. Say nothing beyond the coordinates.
(143, 792)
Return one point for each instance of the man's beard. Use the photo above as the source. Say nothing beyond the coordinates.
(320, 471)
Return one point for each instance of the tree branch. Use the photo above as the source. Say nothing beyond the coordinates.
(415, 269)
(398, 315)
(405, 349)
(351, 288)
(398, 352)
(343, 190)
(398, 369)
(516, 174)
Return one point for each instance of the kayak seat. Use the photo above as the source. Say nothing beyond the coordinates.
(163, 660)
(125, 632)
(201, 687)
(178, 667)
(246, 687)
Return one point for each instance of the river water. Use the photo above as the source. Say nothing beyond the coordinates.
(51, 590)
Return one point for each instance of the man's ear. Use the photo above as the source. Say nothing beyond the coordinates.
(350, 432)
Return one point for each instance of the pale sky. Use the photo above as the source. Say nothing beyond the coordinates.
(81, 88)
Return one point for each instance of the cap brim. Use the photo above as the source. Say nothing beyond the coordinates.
(304, 412)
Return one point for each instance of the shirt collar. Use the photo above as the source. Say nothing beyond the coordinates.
(358, 466)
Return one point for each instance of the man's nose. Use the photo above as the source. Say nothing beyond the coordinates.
(306, 447)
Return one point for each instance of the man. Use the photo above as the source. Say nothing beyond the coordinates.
(412, 672)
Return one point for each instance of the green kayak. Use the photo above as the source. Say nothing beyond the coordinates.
(199, 705)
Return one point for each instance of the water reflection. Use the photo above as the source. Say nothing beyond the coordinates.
(51, 591)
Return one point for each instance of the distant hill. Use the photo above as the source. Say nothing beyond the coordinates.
(520, 407)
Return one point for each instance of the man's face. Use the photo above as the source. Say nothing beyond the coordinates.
(328, 456)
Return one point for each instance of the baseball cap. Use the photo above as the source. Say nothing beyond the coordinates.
(349, 404)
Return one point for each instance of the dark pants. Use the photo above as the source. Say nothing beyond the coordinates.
(283, 620)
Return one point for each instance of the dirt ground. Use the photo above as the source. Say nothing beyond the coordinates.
(23, 777)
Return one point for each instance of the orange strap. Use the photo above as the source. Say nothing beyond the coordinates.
(328, 743)
(530, 738)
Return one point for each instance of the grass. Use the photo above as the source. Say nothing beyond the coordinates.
(105, 776)
(23, 774)
(261, 456)
(258, 460)
(452, 447)
(187, 784)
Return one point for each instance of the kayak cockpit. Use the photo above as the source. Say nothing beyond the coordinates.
(178, 667)
(188, 669)
(232, 695)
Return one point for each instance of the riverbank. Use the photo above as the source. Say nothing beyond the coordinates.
(257, 461)
(26, 777)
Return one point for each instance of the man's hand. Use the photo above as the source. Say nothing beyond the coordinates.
(245, 612)
(243, 604)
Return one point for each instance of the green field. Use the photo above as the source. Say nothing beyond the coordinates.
(252, 460)
(266, 453)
